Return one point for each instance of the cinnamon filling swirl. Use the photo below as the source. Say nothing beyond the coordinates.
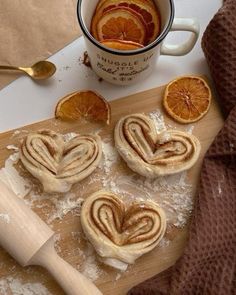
(154, 154)
(59, 164)
(118, 232)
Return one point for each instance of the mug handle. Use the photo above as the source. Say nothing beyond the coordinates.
(182, 24)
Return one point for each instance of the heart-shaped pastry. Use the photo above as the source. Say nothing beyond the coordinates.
(153, 154)
(58, 164)
(120, 235)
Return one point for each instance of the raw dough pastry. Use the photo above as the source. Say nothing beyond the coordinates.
(120, 235)
(58, 164)
(153, 154)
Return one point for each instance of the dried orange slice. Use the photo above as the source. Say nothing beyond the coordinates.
(83, 104)
(121, 24)
(151, 18)
(144, 9)
(102, 2)
(121, 44)
(187, 99)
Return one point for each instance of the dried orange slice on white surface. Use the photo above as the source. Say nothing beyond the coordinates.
(187, 99)
(83, 104)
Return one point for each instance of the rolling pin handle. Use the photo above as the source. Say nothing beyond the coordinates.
(71, 280)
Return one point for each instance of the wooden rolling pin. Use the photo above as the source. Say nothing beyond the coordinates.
(30, 241)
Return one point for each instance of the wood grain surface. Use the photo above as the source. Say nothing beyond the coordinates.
(148, 265)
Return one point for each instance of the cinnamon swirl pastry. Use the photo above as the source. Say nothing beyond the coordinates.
(120, 235)
(153, 154)
(58, 164)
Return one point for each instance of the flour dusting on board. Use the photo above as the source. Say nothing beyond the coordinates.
(68, 136)
(5, 218)
(158, 120)
(110, 156)
(172, 193)
(65, 205)
(11, 177)
(10, 285)
(12, 147)
(90, 267)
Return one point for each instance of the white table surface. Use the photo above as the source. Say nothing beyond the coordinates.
(24, 102)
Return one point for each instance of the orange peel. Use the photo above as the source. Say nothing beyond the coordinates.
(187, 99)
(83, 104)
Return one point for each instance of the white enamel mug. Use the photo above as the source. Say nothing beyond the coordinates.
(128, 67)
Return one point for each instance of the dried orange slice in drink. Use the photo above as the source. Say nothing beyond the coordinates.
(187, 99)
(83, 104)
(102, 2)
(121, 24)
(145, 10)
(145, 2)
(121, 44)
(151, 19)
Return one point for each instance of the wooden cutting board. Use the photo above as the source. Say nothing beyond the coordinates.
(148, 265)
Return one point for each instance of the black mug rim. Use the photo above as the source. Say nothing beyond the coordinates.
(130, 52)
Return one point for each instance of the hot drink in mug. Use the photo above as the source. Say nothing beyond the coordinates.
(124, 39)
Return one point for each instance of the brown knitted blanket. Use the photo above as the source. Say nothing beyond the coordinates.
(208, 265)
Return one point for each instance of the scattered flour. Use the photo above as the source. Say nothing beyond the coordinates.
(68, 136)
(62, 205)
(190, 129)
(65, 205)
(12, 147)
(76, 235)
(10, 285)
(11, 177)
(164, 243)
(158, 120)
(90, 267)
(23, 187)
(164, 137)
(110, 156)
(5, 218)
(17, 132)
(36, 197)
(172, 193)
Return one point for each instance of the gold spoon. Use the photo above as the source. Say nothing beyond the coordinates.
(39, 71)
